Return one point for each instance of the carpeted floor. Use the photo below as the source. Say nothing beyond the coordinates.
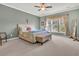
(58, 46)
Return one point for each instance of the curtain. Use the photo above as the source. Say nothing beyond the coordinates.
(66, 24)
(74, 29)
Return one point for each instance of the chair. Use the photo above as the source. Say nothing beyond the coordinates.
(3, 36)
(0, 41)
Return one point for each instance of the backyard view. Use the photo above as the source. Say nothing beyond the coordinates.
(56, 25)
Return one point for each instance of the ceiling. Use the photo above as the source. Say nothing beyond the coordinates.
(56, 8)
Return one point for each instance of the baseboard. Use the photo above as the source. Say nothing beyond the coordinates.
(13, 38)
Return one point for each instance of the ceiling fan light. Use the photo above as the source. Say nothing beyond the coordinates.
(42, 8)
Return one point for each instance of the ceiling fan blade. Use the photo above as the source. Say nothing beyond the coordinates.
(39, 9)
(37, 6)
(49, 7)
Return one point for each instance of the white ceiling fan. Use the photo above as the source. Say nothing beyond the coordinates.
(43, 6)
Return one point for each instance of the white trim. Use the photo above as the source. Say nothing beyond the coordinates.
(13, 38)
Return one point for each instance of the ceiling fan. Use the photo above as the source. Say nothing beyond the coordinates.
(43, 6)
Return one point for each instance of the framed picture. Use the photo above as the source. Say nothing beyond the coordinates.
(42, 23)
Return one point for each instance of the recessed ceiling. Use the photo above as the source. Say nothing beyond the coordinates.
(56, 8)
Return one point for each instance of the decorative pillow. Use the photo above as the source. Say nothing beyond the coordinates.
(22, 27)
(28, 29)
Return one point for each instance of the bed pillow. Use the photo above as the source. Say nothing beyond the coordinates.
(23, 27)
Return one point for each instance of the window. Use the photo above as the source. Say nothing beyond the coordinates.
(61, 25)
(55, 25)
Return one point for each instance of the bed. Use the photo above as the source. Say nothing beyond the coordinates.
(30, 36)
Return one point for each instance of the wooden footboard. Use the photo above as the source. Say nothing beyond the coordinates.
(28, 36)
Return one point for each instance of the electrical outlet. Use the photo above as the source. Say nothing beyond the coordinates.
(11, 35)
